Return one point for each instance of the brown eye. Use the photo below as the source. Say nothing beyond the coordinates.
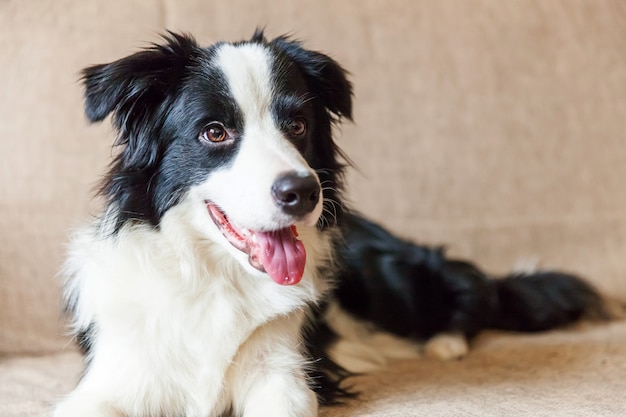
(296, 127)
(214, 132)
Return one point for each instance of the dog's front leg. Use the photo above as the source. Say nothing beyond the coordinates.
(280, 394)
(269, 378)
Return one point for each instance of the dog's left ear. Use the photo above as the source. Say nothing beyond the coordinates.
(326, 78)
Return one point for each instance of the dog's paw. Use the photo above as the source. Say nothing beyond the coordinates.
(293, 401)
(446, 347)
(74, 407)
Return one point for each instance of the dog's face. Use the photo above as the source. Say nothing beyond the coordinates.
(242, 130)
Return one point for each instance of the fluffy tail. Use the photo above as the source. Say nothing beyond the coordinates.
(544, 300)
(417, 292)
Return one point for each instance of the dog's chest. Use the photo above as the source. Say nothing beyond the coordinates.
(208, 311)
(179, 312)
(178, 324)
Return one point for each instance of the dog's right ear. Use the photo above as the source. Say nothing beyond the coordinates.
(326, 78)
(138, 83)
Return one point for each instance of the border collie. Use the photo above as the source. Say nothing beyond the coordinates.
(225, 274)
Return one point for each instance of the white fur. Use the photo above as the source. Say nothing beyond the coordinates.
(526, 265)
(264, 155)
(175, 331)
(446, 346)
(184, 325)
(363, 348)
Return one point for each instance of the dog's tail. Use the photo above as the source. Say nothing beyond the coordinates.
(416, 291)
(544, 300)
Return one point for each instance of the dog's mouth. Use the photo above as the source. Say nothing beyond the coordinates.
(278, 252)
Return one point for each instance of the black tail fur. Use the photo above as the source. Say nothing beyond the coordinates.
(544, 300)
(415, 291)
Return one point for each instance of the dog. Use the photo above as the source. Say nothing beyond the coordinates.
(226, 275)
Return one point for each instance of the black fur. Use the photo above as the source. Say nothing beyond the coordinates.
(148, 97)
(416, 292)
(333, 91)
(327, 378)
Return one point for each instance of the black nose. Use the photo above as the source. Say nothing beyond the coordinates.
(296, 194)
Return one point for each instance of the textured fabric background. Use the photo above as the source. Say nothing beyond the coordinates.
(497, 128)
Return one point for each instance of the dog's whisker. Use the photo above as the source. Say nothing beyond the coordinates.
(328, 222)
(331, 207)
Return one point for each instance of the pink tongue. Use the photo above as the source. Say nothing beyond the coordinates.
(282, 255)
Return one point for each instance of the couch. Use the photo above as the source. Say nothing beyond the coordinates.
(495, 128)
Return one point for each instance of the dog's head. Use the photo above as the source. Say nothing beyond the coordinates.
(242, 130)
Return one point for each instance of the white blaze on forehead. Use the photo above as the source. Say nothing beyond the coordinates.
(243, 189)
(248, 71)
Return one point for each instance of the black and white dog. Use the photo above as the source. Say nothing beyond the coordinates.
(226, 276)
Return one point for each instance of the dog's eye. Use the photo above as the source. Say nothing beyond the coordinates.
(296, 127)
(214, 132)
